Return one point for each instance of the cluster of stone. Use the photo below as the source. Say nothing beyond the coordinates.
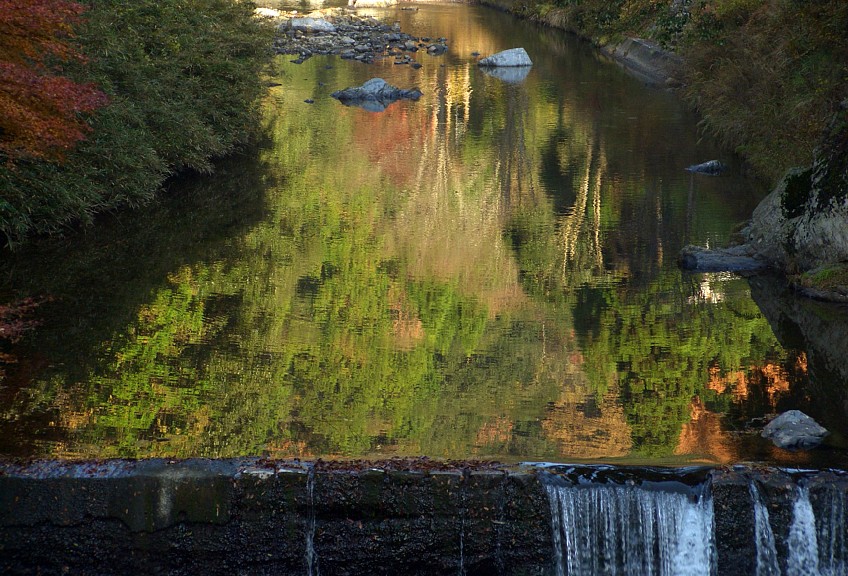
(342, 32)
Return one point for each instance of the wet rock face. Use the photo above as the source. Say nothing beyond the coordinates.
(342, 32)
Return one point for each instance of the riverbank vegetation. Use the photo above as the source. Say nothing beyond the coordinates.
(767, 75)
(177, 84)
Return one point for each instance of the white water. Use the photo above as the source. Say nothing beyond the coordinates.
(832, 534)
(763, 535)
(803, 556)
(627, 530)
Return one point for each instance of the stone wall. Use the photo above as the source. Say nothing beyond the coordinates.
(249, 516)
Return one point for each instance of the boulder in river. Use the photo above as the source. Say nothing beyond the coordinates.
(794, 430)
(511, 57)
(738, 259)
(713, 168)
(375, 95)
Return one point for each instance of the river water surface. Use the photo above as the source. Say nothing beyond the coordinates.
(488, 272)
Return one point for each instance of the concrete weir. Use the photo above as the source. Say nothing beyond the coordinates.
(252, 516)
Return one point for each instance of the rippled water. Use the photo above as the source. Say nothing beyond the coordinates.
(488, 272)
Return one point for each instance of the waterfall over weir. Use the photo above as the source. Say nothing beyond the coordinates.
(608, 521)
(228, 517)
(629, 529)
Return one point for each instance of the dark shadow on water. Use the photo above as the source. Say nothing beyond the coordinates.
(820, 331)
(95, 281)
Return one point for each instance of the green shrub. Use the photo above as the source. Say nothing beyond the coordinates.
(183, 78)
(766, 75)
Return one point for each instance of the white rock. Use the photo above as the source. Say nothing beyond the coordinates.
(511, 57)
(267, 12)
(311, 25)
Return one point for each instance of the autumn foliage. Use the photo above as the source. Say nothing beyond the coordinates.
(183, 85)
(39, 107)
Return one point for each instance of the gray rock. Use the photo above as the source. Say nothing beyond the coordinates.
(734, 259)
(375, 95)
(647, 61)
(311, 25)
(511, 57)
(770, 232)
(713, 168)
(794, 430)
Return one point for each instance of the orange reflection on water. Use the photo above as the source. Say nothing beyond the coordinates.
(704, 436)
(771, 380)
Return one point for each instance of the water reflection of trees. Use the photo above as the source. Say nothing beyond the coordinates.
(480, 272)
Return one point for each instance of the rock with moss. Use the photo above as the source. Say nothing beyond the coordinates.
(803, 224)
(770, 231)
(829, 282)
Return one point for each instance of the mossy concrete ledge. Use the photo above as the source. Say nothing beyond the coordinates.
(249, 516)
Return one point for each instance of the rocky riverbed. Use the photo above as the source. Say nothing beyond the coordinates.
(345, 33)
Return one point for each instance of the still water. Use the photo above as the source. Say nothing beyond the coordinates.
(488, 272)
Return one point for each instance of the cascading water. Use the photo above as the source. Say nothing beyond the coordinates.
(815, 543)
(803, 555)
(763, 535)
(630, 529)
(832, 533)
(605, 521)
